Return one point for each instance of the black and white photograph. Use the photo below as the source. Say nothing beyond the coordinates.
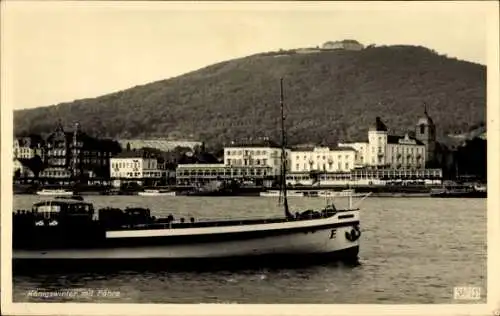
(204, 157)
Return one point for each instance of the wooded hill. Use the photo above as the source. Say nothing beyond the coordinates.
(330, 96)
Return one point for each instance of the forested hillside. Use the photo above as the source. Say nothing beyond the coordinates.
(330, 96)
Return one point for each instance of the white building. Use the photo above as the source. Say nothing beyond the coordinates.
(27, 147)
(326, 159)
(383, 150)
(255, 154)
(136, 166)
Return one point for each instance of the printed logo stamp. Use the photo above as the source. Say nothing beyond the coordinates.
(467, 293)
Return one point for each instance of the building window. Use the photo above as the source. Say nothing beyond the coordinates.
(422, 129)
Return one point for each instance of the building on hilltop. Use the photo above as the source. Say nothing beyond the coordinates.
(344, 44)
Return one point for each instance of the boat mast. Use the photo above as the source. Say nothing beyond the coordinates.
(283, 155)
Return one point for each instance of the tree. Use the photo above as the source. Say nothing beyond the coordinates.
(36, 165)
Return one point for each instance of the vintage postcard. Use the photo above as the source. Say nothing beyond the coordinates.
(251, 158)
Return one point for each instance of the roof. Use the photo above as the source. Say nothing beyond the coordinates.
(254, 143)
(311, 148)
(345, 148)
(31, 141)
(201, 158)
(89, 142)
(379, 126)
(393, 139)
(135, 154)
(426, 119)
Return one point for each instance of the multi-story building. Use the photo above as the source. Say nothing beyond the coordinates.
(201, 173)
(324, 159)
(255, 155)
(382, 150)
(28, 147)
(76, 154)
(138, 166)
(255, 161)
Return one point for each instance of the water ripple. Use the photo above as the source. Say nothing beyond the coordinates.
(412, 251)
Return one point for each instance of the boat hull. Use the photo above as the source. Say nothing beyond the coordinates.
(263, 245)
(348, 256)
(450, 194)
(55, 193)
(156, 193)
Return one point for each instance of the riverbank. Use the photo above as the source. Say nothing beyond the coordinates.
(402, 191)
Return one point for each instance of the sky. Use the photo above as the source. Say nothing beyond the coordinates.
(54, 52)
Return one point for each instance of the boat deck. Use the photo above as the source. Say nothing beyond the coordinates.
(164, 223)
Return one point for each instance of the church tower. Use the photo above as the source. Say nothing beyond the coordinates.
(425, 131)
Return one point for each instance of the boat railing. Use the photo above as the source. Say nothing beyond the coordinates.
(349, 196)
(362, 199)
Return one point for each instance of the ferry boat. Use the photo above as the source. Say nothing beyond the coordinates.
(459, 191)
(55, 192)
(67, 229)
(313, 193)
(156, 193)
(277, 193)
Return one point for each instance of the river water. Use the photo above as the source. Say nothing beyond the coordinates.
(413, 250)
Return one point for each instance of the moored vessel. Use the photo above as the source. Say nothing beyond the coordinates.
(55, 192)
(151, 192)
(313, 193)
(459, 191)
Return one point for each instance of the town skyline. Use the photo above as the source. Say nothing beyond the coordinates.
(99, 59)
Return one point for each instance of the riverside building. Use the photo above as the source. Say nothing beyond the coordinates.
(382, 150)
(64, 155)
(137, 166)
(255, 161)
